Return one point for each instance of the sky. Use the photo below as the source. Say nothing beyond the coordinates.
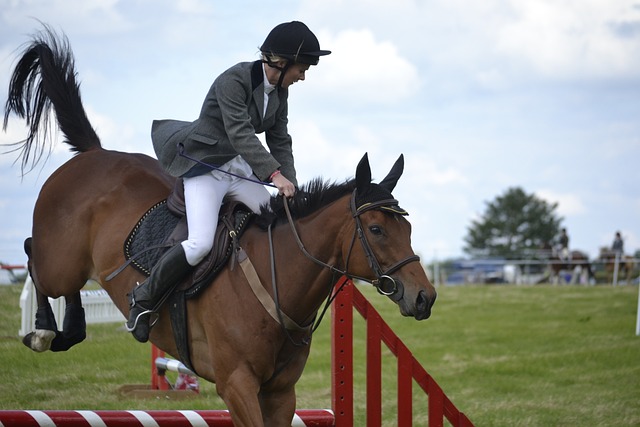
(480, 97)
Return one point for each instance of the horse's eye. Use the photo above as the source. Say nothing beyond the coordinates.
(375, 229)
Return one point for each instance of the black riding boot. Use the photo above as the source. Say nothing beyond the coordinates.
(171, 268)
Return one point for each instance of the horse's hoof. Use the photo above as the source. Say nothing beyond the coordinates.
(40, 340)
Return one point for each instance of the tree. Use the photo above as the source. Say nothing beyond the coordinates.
(514, 224)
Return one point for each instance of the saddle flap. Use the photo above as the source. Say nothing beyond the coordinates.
(175, 201)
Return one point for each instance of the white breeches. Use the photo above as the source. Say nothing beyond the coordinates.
(203, 196)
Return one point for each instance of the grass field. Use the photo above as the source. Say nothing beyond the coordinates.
(505, 355)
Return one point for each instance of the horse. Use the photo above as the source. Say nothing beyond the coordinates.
(298, 249)
(625, 265)
(576, 262)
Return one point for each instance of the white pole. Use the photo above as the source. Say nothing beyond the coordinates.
(638, 315)
(436, 269)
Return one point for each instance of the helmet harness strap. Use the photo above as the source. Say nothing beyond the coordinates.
(283, 70)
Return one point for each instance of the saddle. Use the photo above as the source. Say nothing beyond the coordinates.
(164, 225)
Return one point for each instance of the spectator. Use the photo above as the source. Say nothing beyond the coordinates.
(563, 244)
(618, 245)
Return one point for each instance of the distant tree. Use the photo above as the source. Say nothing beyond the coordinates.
(513, 225)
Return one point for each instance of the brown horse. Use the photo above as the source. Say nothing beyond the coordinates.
(625, 265)
(577, 261)
(88, 207)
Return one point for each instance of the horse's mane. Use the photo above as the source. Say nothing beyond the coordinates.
(312, 196)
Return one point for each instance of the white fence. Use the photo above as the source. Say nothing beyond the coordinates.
(98, 308)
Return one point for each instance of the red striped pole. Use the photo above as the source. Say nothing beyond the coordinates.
(302, 418)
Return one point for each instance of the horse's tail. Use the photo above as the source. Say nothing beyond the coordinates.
(45, 77)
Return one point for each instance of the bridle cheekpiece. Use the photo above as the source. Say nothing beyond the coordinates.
(384, 283)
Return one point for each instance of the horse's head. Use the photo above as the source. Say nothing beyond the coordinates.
(385, 257)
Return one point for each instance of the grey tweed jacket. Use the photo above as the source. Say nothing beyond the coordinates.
(231, 116)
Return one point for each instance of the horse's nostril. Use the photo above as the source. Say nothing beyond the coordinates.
(422, 303)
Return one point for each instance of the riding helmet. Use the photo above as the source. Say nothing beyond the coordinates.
(294, 41)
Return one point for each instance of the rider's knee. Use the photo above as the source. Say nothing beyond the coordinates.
(195, 250)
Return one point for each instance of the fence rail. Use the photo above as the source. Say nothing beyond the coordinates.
(409, 369)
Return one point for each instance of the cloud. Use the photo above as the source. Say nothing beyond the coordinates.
(116, 135)
(496, 43)
(594, 38)
(568, 204)
(363, 70)
(90, 17)
(317, 155)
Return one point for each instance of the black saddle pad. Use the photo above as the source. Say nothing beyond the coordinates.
(159, 229)
(148, 240)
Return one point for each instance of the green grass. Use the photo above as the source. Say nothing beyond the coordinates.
(505, 355)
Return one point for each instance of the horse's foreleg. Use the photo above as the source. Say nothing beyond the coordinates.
(278, 409)
(240, 393)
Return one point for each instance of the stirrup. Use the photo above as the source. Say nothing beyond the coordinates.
(143, 313)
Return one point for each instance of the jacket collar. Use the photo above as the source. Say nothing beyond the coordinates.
(257, 78)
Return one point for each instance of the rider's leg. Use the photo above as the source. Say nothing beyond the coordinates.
(145, 298)
(203, 196)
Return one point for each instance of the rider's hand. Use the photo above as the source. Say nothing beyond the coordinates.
(284, 186)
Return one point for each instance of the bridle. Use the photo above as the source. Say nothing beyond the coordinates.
(384, 283)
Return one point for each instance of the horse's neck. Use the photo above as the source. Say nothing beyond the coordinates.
(324, 232)
(322, 235)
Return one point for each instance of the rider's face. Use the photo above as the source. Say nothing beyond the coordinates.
(296, 72)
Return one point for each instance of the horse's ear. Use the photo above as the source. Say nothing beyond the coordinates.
(390, 181)
(363, 174)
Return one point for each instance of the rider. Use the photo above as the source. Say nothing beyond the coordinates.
(563, 244)
(618, 245)
(246, 99)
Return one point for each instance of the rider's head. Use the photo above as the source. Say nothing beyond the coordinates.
(291, 48)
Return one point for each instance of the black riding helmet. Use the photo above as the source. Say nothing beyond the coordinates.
(294, 42)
